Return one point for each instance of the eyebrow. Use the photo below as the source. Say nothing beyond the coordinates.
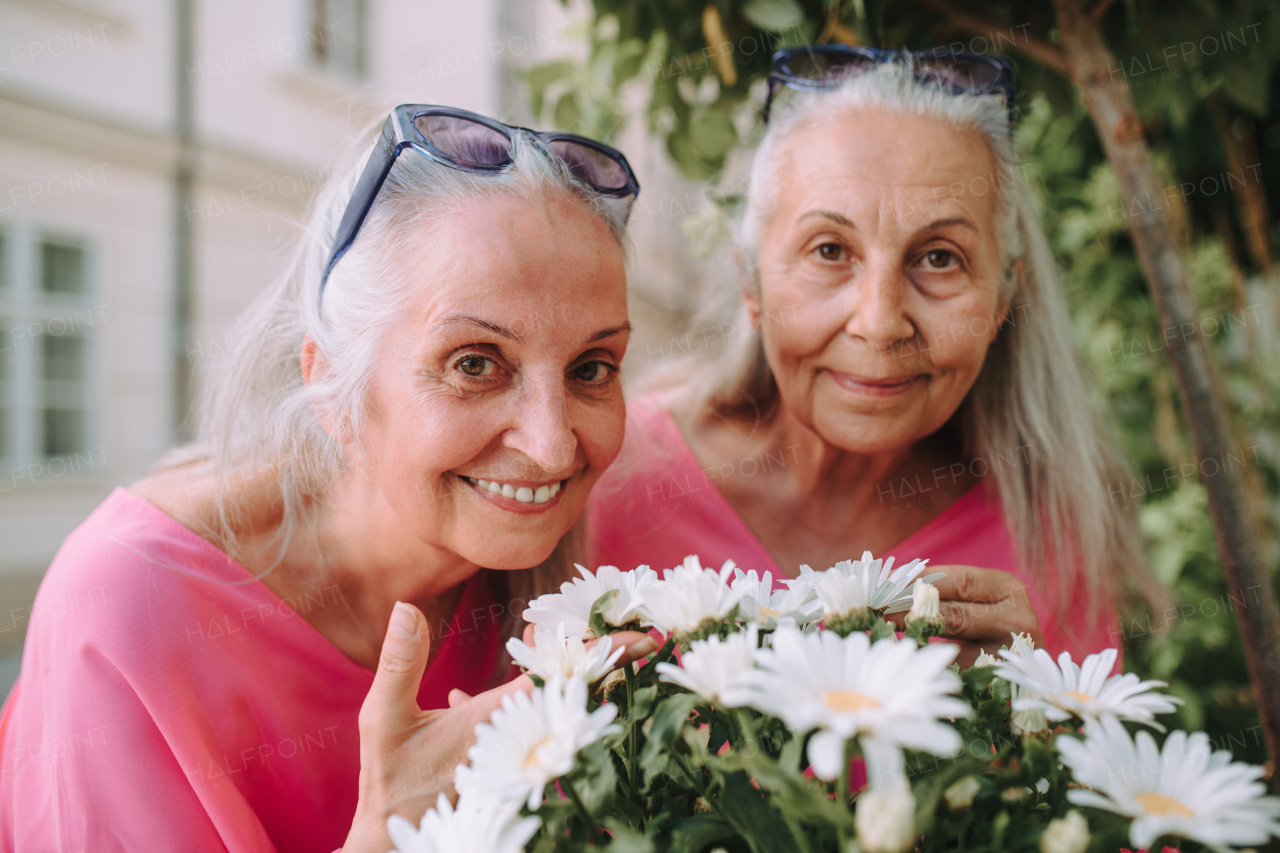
(609, 333)
(838, 218)
(497, 329)
(510, 334)
(938, 224)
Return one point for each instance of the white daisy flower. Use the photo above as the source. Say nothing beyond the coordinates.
(926, 608)
(477, 825)
(1068, 834)
(985, 659)
(690, 596)
(851, 588)
(1022, 645)
(572, 604)
(1186, 789)
(1064, 690)
(714, 665)
(959, 795)
(890, 695)
(532, 740)
(885, 819)
(556, 654)
(768, 607)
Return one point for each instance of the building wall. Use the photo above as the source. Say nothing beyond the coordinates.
(89, 149)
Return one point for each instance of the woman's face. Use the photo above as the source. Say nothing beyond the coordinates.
(879, 273)
(496, 402)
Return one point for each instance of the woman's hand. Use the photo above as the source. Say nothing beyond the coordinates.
(982, 608)
(407, 755)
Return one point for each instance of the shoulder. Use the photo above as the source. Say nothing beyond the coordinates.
(124, 582)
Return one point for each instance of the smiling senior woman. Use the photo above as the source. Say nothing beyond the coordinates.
(398, 411)
(911, 387)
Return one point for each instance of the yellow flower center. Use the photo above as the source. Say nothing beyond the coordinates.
(848, 702)
(1079, 697)
(531, 758)
(770, 614)
(1159, 805)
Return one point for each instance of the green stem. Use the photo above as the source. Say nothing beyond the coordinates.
(633, 735)
(802, 841)
(577, 803)
(744, 731)
(844, 795)
(704, 792)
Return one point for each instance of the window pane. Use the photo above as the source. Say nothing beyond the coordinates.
(61, 268)
(63, 432)
(338, 35)
(63, 358)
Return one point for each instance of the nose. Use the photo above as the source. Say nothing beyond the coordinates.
(877, 305)
(543, 428)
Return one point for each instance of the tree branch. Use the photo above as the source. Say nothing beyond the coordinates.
(1032, 47)
(1110, 105)
(1096, 13)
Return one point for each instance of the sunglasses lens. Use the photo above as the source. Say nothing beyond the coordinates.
(820, 65)
(466, 142)
(592, 167)
(959, 72)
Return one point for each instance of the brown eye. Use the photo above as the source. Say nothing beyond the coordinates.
(476, 365)
(830, 251)
(593, 372)
(939, 259)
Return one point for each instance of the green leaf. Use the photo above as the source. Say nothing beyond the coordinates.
(596, 780)
(626, 839)
(773, 16)
(595, 619)
(1246, 85)
(667, 721)
(713, 134)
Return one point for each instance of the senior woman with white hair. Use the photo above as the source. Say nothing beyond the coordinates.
(430, 389)
(910, 386)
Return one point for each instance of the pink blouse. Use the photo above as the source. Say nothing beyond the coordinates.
(169, 700)
(657, 504)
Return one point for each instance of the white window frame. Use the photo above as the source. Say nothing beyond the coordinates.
(314, 30)
(27, 313)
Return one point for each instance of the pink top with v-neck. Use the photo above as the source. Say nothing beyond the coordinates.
(658, 504)
(169, 700)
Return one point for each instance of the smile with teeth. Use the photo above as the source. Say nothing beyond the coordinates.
(524, 494)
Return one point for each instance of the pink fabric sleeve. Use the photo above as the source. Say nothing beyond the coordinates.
(85, 767)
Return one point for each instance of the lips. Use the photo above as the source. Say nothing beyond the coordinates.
(536, 494)
(879, 386)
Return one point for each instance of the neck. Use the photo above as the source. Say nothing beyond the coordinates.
(365, 547)
(823, 472)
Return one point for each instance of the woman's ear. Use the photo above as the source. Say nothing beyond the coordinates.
(314, 367)
(749, 287)
(310, 355)
(1002, 315)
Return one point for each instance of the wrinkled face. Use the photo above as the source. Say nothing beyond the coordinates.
(496, 403)
(879, 272)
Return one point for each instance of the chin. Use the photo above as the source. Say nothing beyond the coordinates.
(513, 556)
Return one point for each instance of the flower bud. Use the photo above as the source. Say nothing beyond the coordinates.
(885, 819)
(1030, 722)
(1069, 834)
(959, 795)
(925, 609)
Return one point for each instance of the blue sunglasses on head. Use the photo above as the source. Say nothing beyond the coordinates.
(823, 67)
(474, 143)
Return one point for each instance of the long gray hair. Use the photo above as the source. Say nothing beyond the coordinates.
(1031, 400)
(257, 418)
